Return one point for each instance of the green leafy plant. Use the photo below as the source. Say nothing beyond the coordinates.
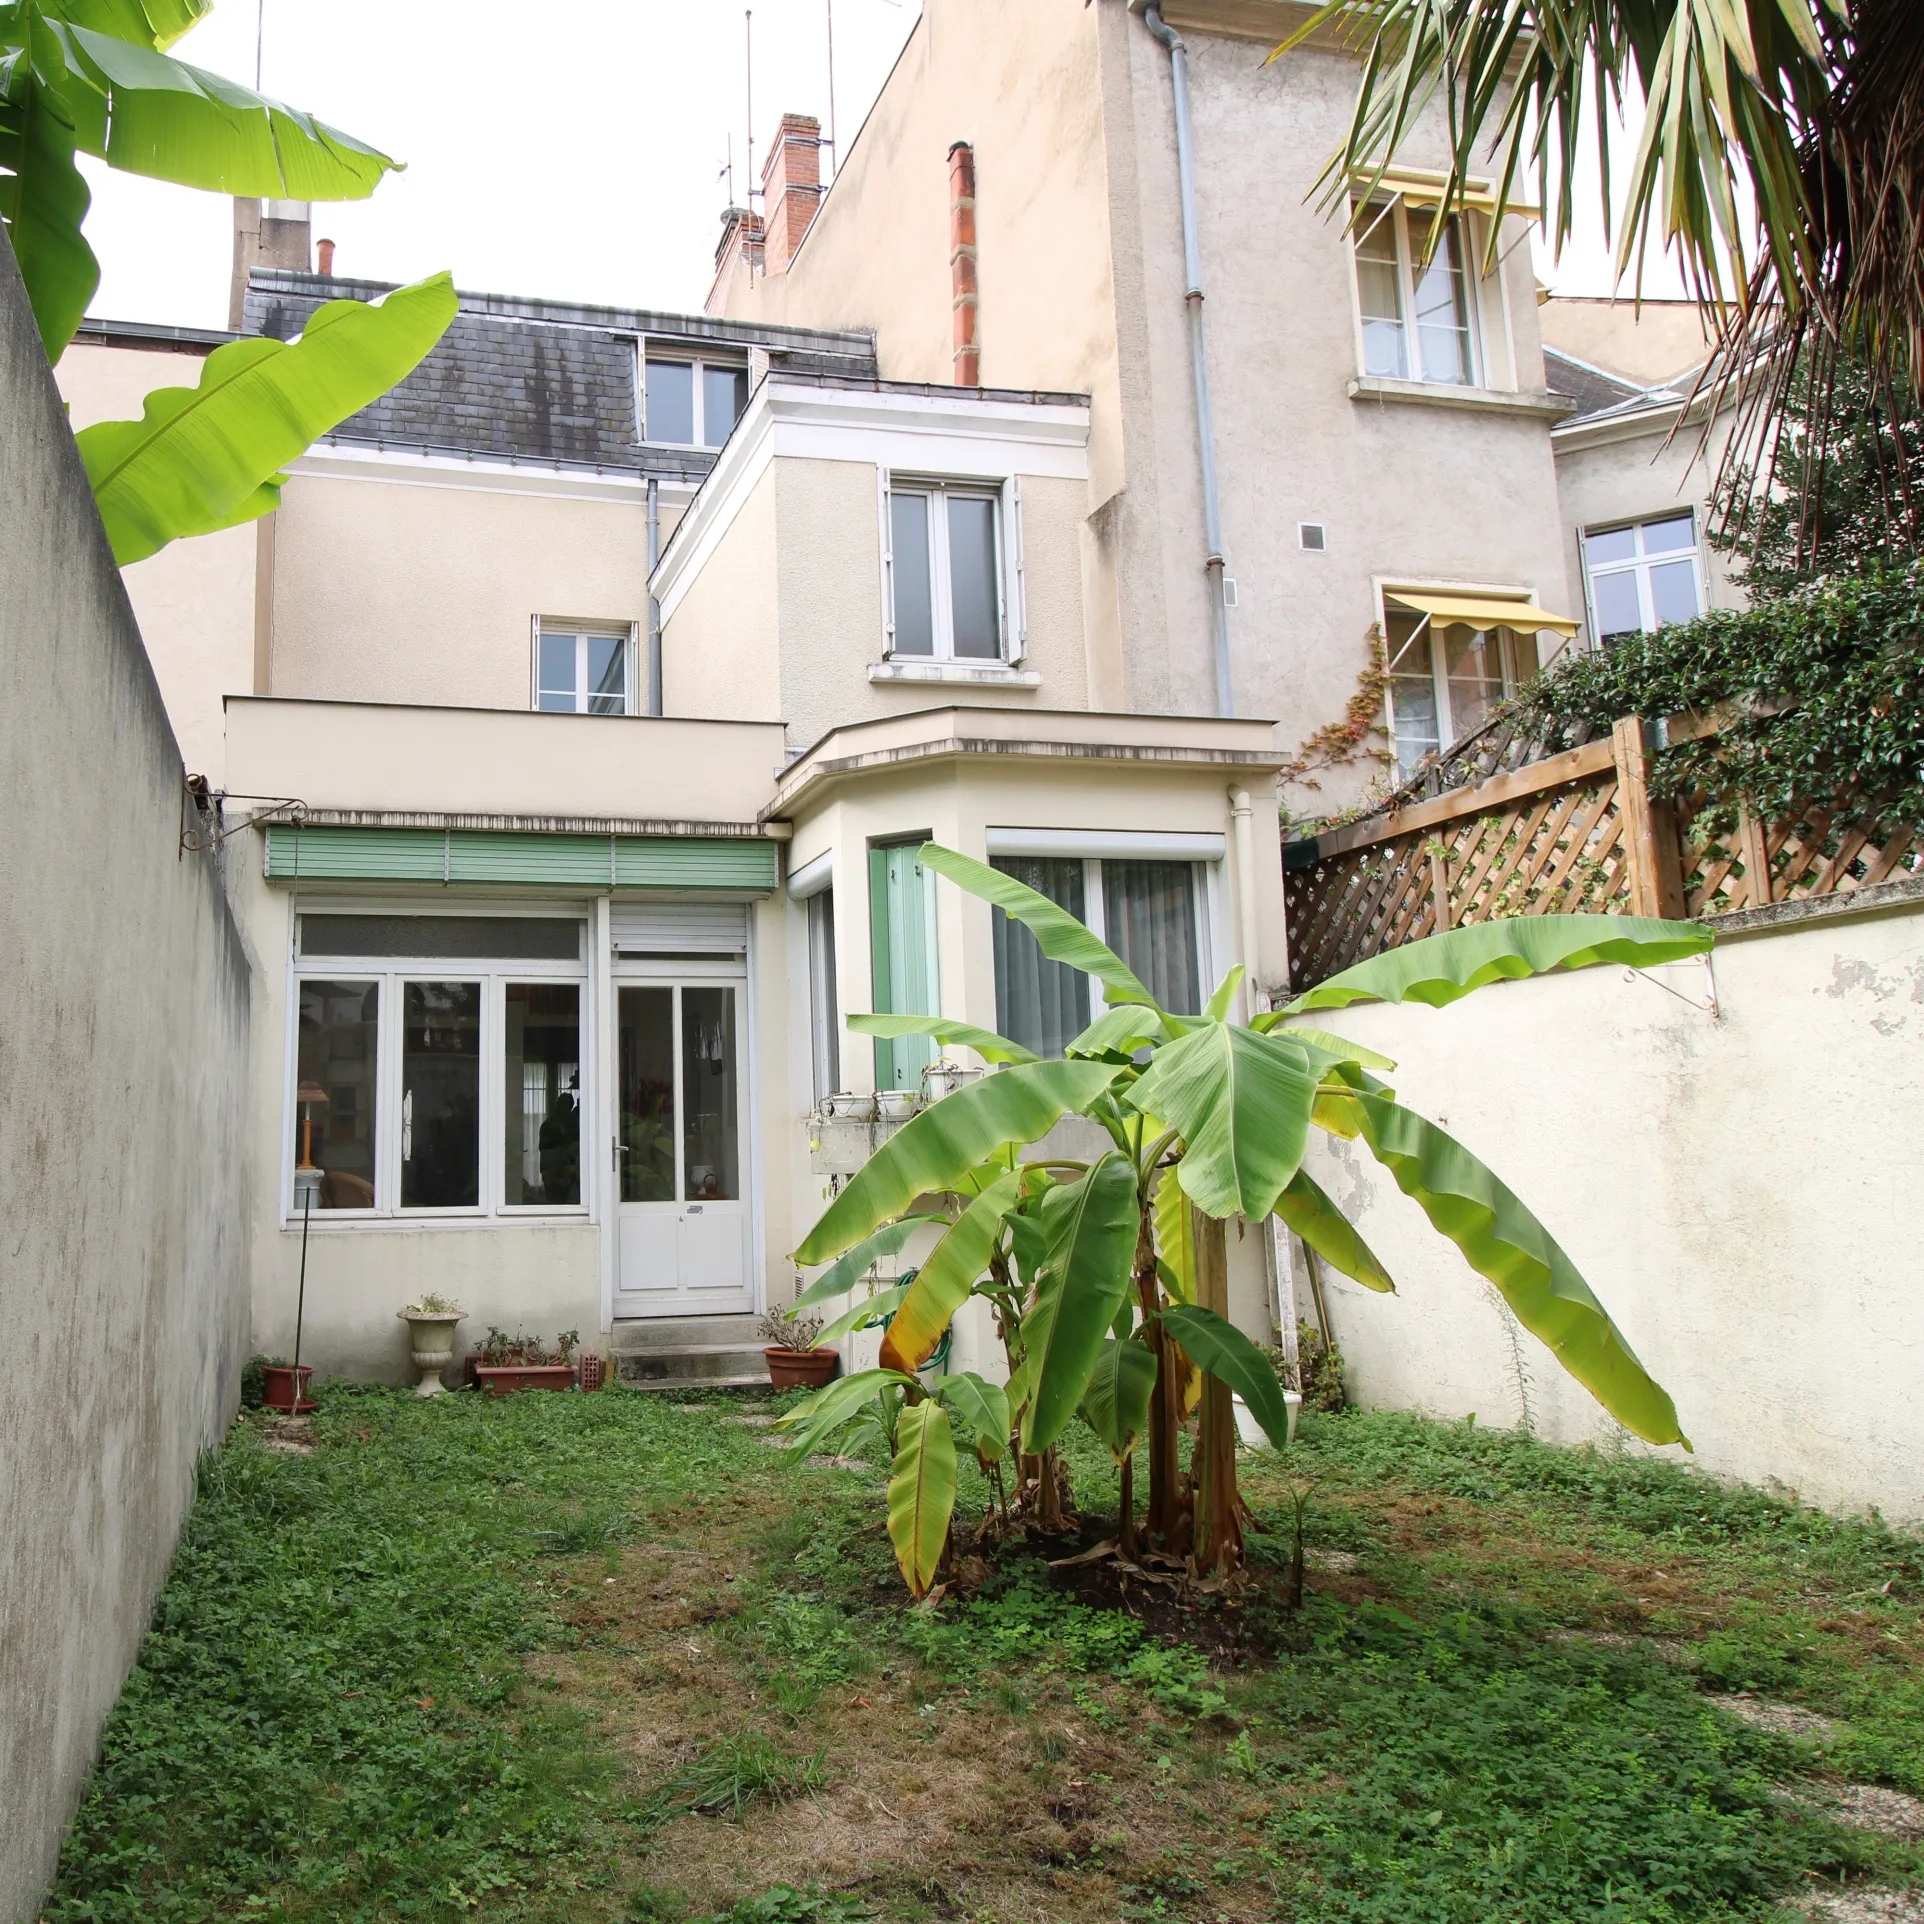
(784, 1329)
(94, 77)
(499, 1350)
(1207, 1119)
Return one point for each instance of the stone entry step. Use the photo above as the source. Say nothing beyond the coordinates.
(687, 1352)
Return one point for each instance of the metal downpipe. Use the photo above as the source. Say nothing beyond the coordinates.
(1198, 352)
(654, 607)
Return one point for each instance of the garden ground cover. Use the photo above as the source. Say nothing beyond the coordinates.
(611, 1658)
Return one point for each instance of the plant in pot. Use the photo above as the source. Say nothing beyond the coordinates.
(507, 1363)
(431, 1324)
(794, 1363)
(284, 1386)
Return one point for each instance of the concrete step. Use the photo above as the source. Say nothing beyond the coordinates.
(696, 1385)
(689, 1362)
(639, 1333)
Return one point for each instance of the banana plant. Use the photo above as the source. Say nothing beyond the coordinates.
(95, 77)
(1207, 1119)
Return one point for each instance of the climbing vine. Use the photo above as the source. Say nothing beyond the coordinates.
(1347, 740)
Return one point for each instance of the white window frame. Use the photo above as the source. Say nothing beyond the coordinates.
(699, 366)
(1427, 631)
(554, 625)
(1640, 564)
(1396, 211)
(391, 974)
(1011, 618)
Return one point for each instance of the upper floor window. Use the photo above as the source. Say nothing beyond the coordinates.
(1643, 577)
(692, 404)
(584, 671)
(1415, 296)
(1445, 679)
(945, 571)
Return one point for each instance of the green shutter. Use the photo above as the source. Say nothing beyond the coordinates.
(902, 959)
(297, 853)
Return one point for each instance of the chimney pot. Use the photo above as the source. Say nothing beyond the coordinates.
(962, 264)
(324, 257)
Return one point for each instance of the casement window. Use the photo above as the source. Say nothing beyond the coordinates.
(902, 958)
(1446, 678)
(947, 572)
(439, 1064)
(1643, 577)
(584, 669)
(691, 404)
(1415, 295)
(1150, 912)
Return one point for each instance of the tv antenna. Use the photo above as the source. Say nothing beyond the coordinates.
(748, 42)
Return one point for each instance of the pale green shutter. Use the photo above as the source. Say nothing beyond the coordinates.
(902, 956)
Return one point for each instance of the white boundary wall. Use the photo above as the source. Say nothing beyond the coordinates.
(1745, 1193)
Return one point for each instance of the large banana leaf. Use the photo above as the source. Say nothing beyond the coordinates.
(882, 1305)
(943, 1282)
(1219, 1003)
(948, 1139)
(1230, 1357)
(848, 1269)
(833, 1408)
(199, 456)
(1440, 968)
(1123, 1030)
(985, 1042)
(1307, 1209)
(1175, 1238)
(1090, 1226)
(1058, 934)
(921, 1495)
(44, 199)
(981, 1408)
(148, 23)
(1338, 1048)
(1503, 1241)
(1242, 1102)
(1116, 1403)
(144, 112)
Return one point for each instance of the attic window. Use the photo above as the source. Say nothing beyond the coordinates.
(691, 404)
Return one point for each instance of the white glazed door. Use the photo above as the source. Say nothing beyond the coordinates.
(680, 1151)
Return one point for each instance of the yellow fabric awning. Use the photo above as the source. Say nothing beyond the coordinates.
(1483, 611)
(1420, 187)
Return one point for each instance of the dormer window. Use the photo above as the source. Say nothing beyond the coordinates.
(945, 571)
(691, 404)
(1414, 297)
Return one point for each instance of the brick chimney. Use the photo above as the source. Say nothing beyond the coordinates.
(962, 283)
(267, 233)
(740, 251)
(791, 187)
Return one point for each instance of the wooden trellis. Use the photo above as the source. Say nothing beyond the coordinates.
(1575, 833)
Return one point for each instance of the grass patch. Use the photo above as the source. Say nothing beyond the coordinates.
(597, 1658)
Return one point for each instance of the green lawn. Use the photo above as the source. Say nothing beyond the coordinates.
(606, 1658)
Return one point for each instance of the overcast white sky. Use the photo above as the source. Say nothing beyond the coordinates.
(571, 150)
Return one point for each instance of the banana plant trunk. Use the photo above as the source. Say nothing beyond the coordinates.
(1218, 1505)
(1167, 1521)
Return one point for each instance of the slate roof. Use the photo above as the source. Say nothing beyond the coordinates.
(539, 380)
(1590, 387)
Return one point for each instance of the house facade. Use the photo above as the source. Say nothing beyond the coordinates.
(1041, 488)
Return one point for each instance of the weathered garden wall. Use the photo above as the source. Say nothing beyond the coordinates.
(123, 1026)
(1742, 1191)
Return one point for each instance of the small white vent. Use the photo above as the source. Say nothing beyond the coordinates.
(1310, 534)
(1229, 591)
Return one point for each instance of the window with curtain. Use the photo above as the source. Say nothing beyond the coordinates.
(1414, 295)
(1149, 919)
(1446, 679)
(1041, 1004)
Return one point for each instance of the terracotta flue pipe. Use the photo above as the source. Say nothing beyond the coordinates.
(968, 358)
(324, 256)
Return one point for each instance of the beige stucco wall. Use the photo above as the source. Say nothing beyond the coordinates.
(1404, 490)
(720, 649)
(414, 591)
(1636, 477)
(1731, 1188)
(194, 600)
(1643, 342)
(124, 1149)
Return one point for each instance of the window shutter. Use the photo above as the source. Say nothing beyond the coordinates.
(679, 928)
(885, 521)
(1016, 616)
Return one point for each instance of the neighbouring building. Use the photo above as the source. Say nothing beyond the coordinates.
(1036, 487)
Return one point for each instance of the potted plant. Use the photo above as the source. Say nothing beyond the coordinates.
(794, 1363)
(279, 1391)
(431, 1324)
(509, 1363)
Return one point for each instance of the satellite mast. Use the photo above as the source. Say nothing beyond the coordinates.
(748, 40)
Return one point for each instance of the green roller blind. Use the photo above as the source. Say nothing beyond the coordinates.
(902, 955)
(327, 853)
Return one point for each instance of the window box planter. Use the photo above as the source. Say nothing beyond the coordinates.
(505, 1378)
(281, 1393)
(800, 1369)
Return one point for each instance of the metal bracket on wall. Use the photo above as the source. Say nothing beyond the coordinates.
(209, 806)
(1709, 1005)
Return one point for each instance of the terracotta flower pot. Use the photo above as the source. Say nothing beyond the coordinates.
(505, 1378)
(280, 1392)
(800, 1369)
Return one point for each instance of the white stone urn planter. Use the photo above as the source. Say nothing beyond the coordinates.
(431, 1338)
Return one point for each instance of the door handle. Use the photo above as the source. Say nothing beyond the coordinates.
(407, 1126)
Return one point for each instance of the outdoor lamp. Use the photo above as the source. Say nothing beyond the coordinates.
(307, 1177)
